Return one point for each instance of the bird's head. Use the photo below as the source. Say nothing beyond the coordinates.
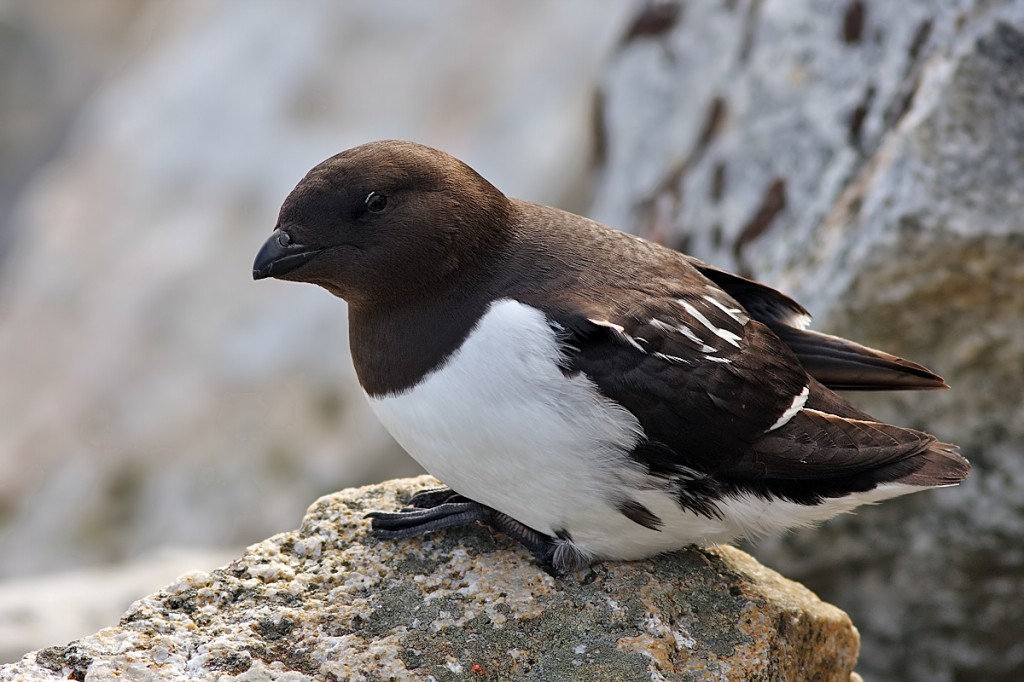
(384, 221)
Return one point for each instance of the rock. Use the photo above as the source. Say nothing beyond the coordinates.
(867, 158)
(57, 607)
(323, 602)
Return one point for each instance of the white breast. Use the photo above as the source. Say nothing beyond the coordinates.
(500, 423)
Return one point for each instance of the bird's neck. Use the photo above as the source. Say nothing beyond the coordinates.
(394, 346)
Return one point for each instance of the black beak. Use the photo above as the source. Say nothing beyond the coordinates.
(279, 255)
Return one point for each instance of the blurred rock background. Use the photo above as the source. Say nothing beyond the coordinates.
(866, 157)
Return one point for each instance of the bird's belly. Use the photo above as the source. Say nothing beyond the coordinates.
(500, 423)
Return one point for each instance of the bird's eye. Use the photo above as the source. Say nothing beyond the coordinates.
(375, 203)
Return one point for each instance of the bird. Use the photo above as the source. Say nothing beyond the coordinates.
(591, 394)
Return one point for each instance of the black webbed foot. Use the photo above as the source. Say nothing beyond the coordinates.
(406, 524)
(440, 508)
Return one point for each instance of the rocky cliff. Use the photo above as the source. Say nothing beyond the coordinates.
(326, 603)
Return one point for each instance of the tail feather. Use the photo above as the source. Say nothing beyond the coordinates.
(922, 461)
(941, 465)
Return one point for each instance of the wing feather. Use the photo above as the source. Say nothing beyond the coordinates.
(721, 409)
(837, 363)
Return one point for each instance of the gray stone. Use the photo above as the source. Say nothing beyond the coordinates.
(323, 602)
(867, 158)
(57, 607)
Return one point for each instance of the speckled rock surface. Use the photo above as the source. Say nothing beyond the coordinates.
(867, 158)
(325, 603)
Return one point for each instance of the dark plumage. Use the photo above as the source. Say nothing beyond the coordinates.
(591, 393)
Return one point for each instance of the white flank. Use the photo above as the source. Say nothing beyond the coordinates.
(752, 516)
(798, 404)
(729, 336)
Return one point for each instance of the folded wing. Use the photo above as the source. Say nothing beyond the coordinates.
(837, 363)
(723, 398)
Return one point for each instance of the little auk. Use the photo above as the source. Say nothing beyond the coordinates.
(592, 394)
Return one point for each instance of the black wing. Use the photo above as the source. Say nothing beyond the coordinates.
(838, 363)
(726, 404)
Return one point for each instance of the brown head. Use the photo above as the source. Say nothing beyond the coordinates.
(385, 221)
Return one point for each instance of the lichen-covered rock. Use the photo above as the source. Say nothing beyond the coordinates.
(324, 602)
(868, 158)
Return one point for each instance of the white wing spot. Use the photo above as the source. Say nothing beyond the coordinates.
(729, 336)
(800, 321)
(633, 343)
(605, 323)
(734, 313)
(688, 333)
(620, 330)
(671, 358)
(724, 361)
(685, 331)
(797, 405)
(663, 326)
(833, 417)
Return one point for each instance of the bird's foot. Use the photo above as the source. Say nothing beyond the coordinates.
(411, 522)
(541, 546)
(440, 508)
(432, 497)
